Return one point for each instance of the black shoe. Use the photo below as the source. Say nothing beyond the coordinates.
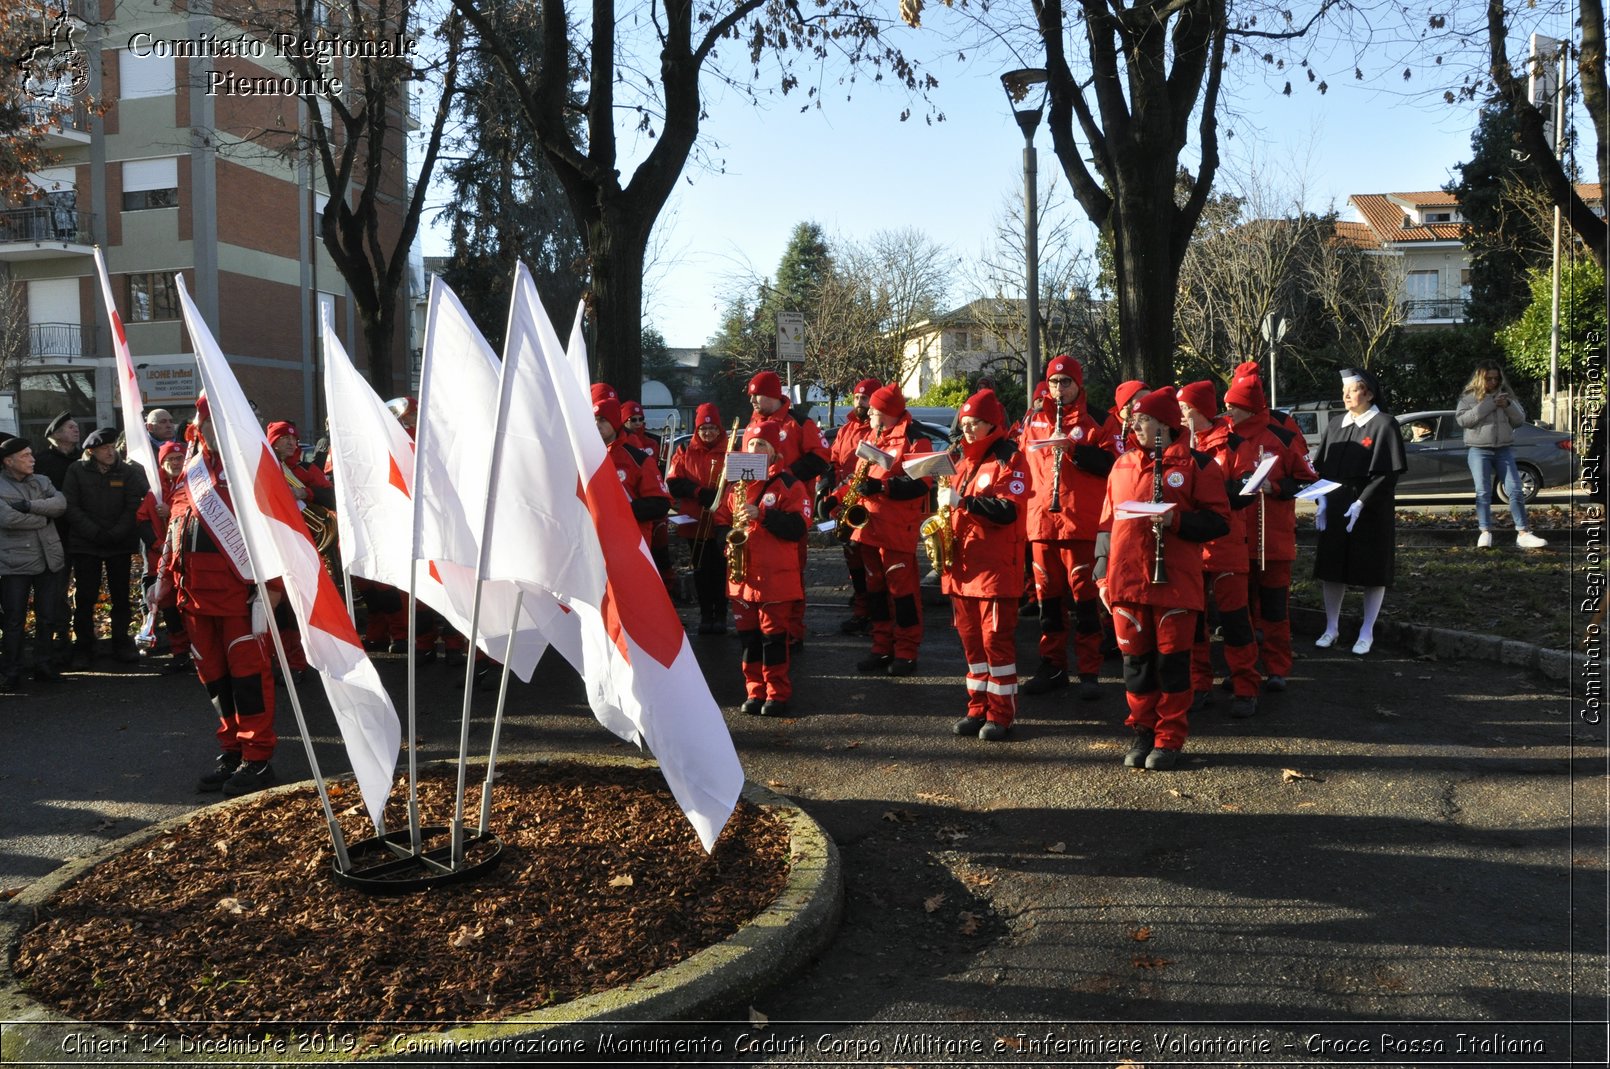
(1242, 708)
(775, 707)
(47, 675)
(993, 732)
(1275, 684)
(877, 662)
(900, 666)
(1140, 747)
(1089, 688)
(223, 768)
(181, 663)
(1200, 701)
(856, 625)
(751, 707)
(1029, 610)
(398, 647)
(374, 645)
(1227, 685)
(250, 776)
(453, 658)
(1046, 679)
(1161, 760)
(968, 725)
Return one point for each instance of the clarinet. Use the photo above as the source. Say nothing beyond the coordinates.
(1056, 460)
(1262, 563)
(1159, 573)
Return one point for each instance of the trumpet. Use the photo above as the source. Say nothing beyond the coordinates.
(937, 537)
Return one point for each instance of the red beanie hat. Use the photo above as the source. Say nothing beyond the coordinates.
(608, 409)
(1246, 392)
(889, 401)
(706, 415)
(1162, 405)
(986, 406)
(866, 386)
(1065, 365)
(1126, 392)
(768, 429)
(766, 384)
(1201, 396)
(603, 391)
(1248, 367)
(1042, 390)
(174, 448)
(630, 410)
(281, 429)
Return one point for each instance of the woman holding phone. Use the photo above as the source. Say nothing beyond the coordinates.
(1489, 416)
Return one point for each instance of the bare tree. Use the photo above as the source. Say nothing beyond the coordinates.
(904, 277)
(13, 329)
(1360, 292)
(43, 78)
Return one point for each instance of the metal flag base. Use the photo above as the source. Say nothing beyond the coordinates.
(387, 866)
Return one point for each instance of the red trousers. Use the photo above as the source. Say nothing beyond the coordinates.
(1269, 589)
(987, 629)
(1065, 571)
(1228, 592)
(894, 600)
(233, 666)
(1156, 644)
(762, 628)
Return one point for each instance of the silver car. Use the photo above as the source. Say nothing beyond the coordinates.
(1438, 458)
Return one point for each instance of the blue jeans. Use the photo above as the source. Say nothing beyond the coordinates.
(1482, 465)
(47, 588)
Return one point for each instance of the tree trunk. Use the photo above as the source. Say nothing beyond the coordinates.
(379, 330)
(1143, 244)
(618, 245)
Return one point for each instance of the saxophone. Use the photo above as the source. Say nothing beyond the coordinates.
(852, 514)
(738, 538)
(937, 537)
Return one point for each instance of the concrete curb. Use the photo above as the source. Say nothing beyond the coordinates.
(773, 946)
(1446, 643)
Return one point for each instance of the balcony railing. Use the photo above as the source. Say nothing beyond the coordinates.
(74, 117)
(1443, 308)
(53, 341)
(46, 222)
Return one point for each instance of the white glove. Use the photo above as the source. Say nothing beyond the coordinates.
(1352, 514)
(1319, 515)
(947, 497)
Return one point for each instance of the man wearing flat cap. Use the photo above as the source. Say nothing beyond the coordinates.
(103, 493)
(61, 450)
(31, 560)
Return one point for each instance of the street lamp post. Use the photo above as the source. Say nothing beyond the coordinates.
(1018, 85)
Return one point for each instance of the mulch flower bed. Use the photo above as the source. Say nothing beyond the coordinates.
(234, 921)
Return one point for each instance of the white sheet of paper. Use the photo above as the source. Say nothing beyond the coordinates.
(1259, 474)
(828, 525)
(1049, 443)
(746, 467)
(1316, 489)
(676, 519)
(1136, 510)
(868, 451)
(926, 465)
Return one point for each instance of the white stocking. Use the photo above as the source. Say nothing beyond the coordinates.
(1333, 605)
(1373, 596)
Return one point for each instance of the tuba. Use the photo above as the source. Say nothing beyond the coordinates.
(937, 537)
(320, 521)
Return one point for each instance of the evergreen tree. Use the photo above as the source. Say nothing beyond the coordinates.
(805, 268)
(507, 206)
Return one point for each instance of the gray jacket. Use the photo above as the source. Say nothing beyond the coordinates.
(29, 544)
(1486, 425)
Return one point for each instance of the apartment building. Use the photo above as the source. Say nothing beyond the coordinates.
(174, 172)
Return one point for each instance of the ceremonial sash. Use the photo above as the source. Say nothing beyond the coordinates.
(215, 515)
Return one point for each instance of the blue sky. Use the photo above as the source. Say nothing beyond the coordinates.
(854, 168)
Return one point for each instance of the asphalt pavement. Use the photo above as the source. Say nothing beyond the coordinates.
(1400, 861)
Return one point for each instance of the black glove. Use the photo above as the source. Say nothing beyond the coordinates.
(707, 497)
(1093, 459)
(21, 504)
(870, 486)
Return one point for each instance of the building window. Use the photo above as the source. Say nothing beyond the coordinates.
(150, 184)
(152, 296)
(1420, 286)
(145, 75)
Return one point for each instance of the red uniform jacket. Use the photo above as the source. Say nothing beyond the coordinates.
(695, 469)
(989, 521)
(204, 578)
(1086, 460)
(1291, 471)
(773, 569)
(800, 448)
(856, 430)
(1124, 552)
(640, 478)
(899, 503)
(1227, 553)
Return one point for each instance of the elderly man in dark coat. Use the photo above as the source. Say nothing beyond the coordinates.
(103, 497)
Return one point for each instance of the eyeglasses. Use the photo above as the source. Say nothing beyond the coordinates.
(634, 419)
(1060, 381)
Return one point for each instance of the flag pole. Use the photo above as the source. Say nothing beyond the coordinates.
(464, 730)
(343, 862)
(497, 718)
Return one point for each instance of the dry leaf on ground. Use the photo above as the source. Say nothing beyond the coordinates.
(933, 902)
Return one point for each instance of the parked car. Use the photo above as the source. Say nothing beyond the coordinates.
(939, 436)
(1435, 447)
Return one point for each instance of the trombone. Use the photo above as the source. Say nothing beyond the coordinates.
(706, 525)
